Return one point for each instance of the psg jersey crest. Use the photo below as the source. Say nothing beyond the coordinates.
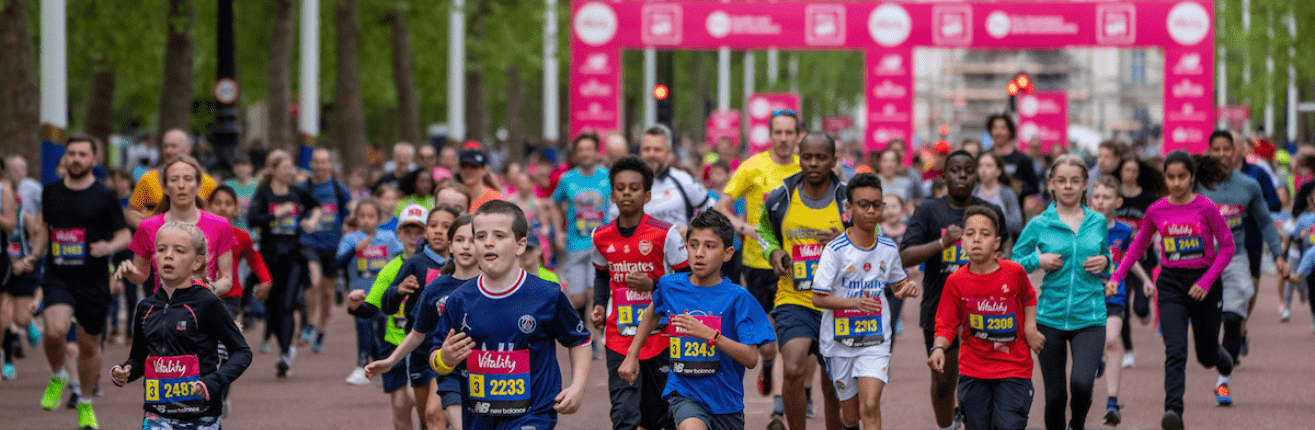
(527, 324)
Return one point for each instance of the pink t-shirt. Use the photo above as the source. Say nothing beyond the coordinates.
(218, 239)
(1193, 235)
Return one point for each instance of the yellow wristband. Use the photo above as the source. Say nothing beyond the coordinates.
(439, 365)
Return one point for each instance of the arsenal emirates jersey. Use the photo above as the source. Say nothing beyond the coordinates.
(654, 248)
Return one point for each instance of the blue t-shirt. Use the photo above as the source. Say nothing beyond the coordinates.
(1120, 238)
(425, 318)
(364, 265)
(328, 231)
(512, 375)
(586, 199)
(426, 266)
(741, 319)
(244, 194)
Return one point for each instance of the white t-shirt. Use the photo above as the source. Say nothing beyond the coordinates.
(846, 270)
(669, 204)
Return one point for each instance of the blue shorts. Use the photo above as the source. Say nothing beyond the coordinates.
(794, 321)
(545, 421)
(405, 371)
(683, 408)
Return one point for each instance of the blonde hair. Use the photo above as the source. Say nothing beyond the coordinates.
(163, 176)
(1071, 160)
(189, 230)
(275, 158)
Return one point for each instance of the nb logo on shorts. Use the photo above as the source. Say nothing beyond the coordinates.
(481, 407)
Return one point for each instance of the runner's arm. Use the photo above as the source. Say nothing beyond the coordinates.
(257, 264)
(767, 236)
(222, 327)
(224, 273)
(120, 240)
(646, 326)
(137, 352)
(602, 287)
(9, 214)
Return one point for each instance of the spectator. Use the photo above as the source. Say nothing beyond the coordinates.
(401, 164)
(147, 193)
(475, 176)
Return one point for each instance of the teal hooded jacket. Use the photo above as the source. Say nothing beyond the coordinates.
(1070, 298)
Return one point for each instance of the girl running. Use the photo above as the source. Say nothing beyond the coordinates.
(1189, 286)
(223, 202)
(1068, 241)
(277, 209)
(365, 252)
(179, 330)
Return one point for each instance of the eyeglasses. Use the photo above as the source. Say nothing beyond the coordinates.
(869, 204)
(779, 112)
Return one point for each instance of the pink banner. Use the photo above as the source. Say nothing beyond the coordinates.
(761, 107)
(1043, 115)
(724, 123)
(888, 32)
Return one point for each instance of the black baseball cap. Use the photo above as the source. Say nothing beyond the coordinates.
(474, 157)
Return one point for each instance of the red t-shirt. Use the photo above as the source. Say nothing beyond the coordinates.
(986, 310)
(244, 249)
(655, 249)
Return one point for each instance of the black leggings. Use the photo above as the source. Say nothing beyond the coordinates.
(1176, 308)
(1088, 344)
(288, 272)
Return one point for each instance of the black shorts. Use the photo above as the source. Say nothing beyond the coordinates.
(1113, 310)
(929, 339)
(24, 285)
(761, 283)
(90, 303)
(793, 322)
(995, 403)
(408, 370)
(1253, 260)
(326, 257)
(639, 404)
(683, 408)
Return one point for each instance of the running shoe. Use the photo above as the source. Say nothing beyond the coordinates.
(1112, 415)
(16, 346)
(808, 396)
(33, 334)
(777, 423)
(1285, 314)
(1222, 396)
(54, 390)
(284, 367)
(765, 378)
(87, 417)
(74, 396)
(264, 347)
(9, 372)
(319, 343)
(1129, 360)
(778, 406)
(358, 377)
(958, 419)
(97, 391)
(899, 327)
(307, 334)
(1171, 421)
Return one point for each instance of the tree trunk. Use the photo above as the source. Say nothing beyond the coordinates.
(349, 117)
(476, 111)
(100, 102)
(515, 110)
(20, 126)
(408, 116)
(176, 93)
(280, 65)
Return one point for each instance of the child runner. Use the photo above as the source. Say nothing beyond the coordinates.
(630, 254)
(1068, 241)
(716, 329)
(1197, 246)
(365, 252)
(1105, 199)
(223, 202)
(995, 366)
(174, 349)
(462, 267)
(506, 352)
(366, 305)
(853, 275)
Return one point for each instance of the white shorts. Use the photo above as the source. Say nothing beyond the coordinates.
(1238, 288)
(577, 272)
(845, 372)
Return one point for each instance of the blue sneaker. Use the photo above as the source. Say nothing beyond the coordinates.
(1222, 396)
(9, 372)
(319, 343)
(33, 335)
(899, 327)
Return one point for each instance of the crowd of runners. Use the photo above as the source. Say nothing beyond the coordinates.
(682, 267)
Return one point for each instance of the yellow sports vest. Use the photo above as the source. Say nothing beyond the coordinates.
(799, 230)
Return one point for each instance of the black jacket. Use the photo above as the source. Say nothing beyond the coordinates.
(192, 322)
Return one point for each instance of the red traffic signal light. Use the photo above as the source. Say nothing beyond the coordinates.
(1012, 88)
(660, 92)
(1023, 80)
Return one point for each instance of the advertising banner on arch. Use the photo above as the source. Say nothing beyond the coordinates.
(724, 124)
(761, 106)
(1043, 115)
(888, 32)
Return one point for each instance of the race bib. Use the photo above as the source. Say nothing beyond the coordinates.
(499, 382)
(992, 320)
(1134, 223)
(587, 219)
(370, 260)
(1183, 242)
(856, 328)
(953, 257)
(283, 225)
(69, 246)
(328, 216)
(803, 262)
(691, 356)
(1232, 215)
(15, 249)
(169, 385)
(1310, 236)
(630, 306)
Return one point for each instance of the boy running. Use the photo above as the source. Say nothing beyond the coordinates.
(853, 274)
(630, 254)
(506, 352)
(716, 329)
(982, 299)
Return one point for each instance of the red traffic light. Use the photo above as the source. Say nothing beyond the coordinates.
(1012, 88)
(1023, 80)
(660, 92)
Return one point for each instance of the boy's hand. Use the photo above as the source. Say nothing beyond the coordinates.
(355, 298)
(1111, 289)
(780, 262)
(568, 401)
(408, 285)
(1095, 264)
(695, 328)
(119, 375)
(598, 317)
(1050, 262)
(1035, 340)
(379, 367)
(639, 282)
(909, 290)
(629, 370)
(824, 236)
(1149, 289)
(937, 360)
(865, 304)
(952, 234)
(456, 347)
(362, 244)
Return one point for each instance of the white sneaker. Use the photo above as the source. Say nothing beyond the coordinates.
(358, 377)
(1129, 360)
(1285, 315)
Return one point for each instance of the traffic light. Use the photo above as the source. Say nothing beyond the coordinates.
(1021, 84)
(662, 91)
